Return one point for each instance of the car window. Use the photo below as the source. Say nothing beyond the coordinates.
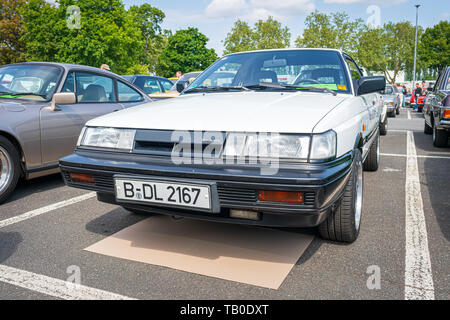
(356, 75)
(303, 68)
(69, 84)
(166, 85)
(27, 81)
(151, 86)
(126, 93)
(94, 88)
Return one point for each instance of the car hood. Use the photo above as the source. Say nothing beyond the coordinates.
(388, 97)
(232, 111)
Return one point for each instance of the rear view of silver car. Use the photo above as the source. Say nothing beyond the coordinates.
(44, 106)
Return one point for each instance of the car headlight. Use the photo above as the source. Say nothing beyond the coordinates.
(323, 146)
(109, 138)
(271, 145)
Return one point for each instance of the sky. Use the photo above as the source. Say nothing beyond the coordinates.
(215, 18)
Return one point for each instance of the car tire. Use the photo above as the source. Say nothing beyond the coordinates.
(427, 129)
(391, 114)
(440, 138)
(137, 211)
(373, 158)
(343, 223)
(10, 170)
(383, 127)
(397, 111)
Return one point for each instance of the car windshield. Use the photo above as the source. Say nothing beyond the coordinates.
(31, 82)
(276, 70)
(185, 77)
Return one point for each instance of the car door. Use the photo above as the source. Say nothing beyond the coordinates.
(166, 85)
(430, 101)
(95, 96)
(369, 100)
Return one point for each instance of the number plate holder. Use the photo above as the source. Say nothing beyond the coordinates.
(214, 204)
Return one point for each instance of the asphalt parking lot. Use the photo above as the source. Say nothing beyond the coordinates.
(45, 226)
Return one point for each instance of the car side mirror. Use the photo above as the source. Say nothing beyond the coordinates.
(371, 84)
(181, 85)
(62, 98)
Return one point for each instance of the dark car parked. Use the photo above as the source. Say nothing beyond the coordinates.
(437, 109)
(150, 84)
(44, 106)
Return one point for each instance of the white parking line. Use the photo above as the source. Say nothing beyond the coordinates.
(54, 287)
(418, 275)
(409, 115)
(37, 212)
(414, 156)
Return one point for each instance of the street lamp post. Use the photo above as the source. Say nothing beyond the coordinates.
(415, 46)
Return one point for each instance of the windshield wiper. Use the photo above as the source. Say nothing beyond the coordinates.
(263, 85)
(216, 88)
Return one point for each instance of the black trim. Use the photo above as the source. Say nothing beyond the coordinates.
(43, 168)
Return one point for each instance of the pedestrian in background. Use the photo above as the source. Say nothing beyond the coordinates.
(178, 74)
(105, 67)
(417, 94)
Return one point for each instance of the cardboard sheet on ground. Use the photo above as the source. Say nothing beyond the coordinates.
(252, 255)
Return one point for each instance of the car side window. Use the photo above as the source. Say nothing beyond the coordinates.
(354, 70)
(151, 86)
(93, 88)
(166, 85)
(69, 84)
(127, 94)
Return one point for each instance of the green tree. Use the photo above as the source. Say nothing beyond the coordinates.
(186, 51)
(434, 47)
(270, 34)
(335, 30)
(240, 38)
(398, 42)
(370, 49)
(11, 30)
(107, 34)
(266, 34)
(149, 20)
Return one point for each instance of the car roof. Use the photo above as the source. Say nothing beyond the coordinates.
(289, 49)
(145, 75)
(66, 66)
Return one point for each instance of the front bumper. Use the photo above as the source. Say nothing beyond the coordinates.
(237, 185)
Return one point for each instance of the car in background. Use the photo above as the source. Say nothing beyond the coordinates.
(391, 100)
(437, 110)
(251, 151)
(408, 99)
(44, 106)
(150, 84)
(177, 87)
(420, 100)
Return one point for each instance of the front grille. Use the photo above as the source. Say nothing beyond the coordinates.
(227, 193)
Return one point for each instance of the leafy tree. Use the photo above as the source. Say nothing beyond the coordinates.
(149, 20)
(268, 34)
(11, 30)
(370, 49)
(335, 30)
(186, 51)
(434, 47)
(107, 34)
(240, 38)
(398, 42)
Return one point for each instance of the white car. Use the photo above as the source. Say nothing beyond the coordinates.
(253, 151)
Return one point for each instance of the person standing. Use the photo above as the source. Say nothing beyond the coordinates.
(178, 74)
(417, 94)
(105, 67)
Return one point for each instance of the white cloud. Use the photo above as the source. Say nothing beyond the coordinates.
(380, 2)
(253, 10)
(225, 8)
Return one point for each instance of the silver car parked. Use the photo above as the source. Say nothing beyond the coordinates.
(44, 106)
(391, 100)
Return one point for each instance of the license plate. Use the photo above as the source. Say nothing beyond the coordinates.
(165, 193)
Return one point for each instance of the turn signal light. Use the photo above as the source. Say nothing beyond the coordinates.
(82, 178)
(280, 196)
(447, 113)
